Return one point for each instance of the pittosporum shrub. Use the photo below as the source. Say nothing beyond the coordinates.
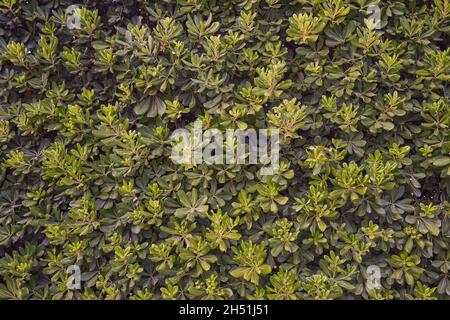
(90, 94)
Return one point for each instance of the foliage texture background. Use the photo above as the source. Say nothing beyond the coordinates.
(85, 176)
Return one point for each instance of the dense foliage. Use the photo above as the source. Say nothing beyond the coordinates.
(86, 115)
